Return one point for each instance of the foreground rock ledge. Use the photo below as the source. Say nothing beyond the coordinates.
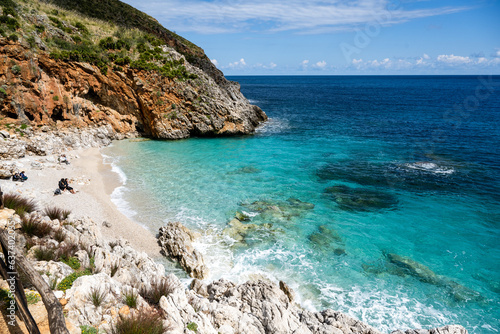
(219, 307)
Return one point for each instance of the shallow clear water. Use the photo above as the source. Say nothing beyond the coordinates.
(403, 226)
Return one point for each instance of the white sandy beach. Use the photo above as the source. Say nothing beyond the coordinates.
(94, 182)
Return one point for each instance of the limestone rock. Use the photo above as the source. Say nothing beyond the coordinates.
(52, 271)
(175, 241)
(451, 329)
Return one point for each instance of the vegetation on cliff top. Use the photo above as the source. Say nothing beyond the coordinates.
(73, 31)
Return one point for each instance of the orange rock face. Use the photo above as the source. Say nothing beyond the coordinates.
(37, 90)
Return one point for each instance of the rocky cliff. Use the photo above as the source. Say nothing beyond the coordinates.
(61, 73)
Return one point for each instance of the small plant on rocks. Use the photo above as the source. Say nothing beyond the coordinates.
(18, 203)
(56, 213)
(157, 289)
(45, 254)
(142, 322)
(96, 296)
(130, 298)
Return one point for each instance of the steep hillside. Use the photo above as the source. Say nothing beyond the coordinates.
(91, 63)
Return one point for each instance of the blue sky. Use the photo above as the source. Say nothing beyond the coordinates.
(315, 37)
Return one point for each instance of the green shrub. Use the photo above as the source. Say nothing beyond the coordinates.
(10, 10)
(40, 28)
(76, 38)
(73, 262)
(55, 20)
(10, 22)
(32, 298)
(88, 330)
(66, 251)
(82, 28)
(192, 326)
(5, 298)
(13, 38)
(8, 3)
(24, 126)
(68, 281)
(123, 61)
(55, 98)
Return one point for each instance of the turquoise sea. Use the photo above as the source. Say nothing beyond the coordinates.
(378, 196)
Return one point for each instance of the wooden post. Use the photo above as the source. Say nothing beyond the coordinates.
(9, 274)
(57, 323)
(1, 199)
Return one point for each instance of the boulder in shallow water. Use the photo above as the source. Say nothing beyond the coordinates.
(175, 241)
(360, 199)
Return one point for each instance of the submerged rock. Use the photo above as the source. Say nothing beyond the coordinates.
(327, 240)
(360, 199)
(413, 268)
(404, 266)
(175, 241)
(240, 231)
(277, 211)
(419, 176)
(246, 170)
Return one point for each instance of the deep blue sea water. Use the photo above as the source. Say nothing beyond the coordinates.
(377, 196)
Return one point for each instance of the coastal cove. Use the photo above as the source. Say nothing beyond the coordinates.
(348, 186)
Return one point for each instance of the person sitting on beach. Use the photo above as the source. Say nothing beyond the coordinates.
(63, 185)
(23, 176)
(16, 177)
(63, 159)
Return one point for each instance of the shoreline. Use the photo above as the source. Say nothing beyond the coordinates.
(228, 307)
(94, 181)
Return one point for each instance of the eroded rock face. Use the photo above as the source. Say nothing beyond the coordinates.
(70, 94)
(176, 242)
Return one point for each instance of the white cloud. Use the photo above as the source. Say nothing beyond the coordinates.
(425, 62)
(269, 66)
(238, 64)
(215, 62)
(314, 16)
(497, 53)
(320, 64)
(453, 60)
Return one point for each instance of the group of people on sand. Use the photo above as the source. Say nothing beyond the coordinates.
(63, 186)
(19, 177)
(63, 183)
